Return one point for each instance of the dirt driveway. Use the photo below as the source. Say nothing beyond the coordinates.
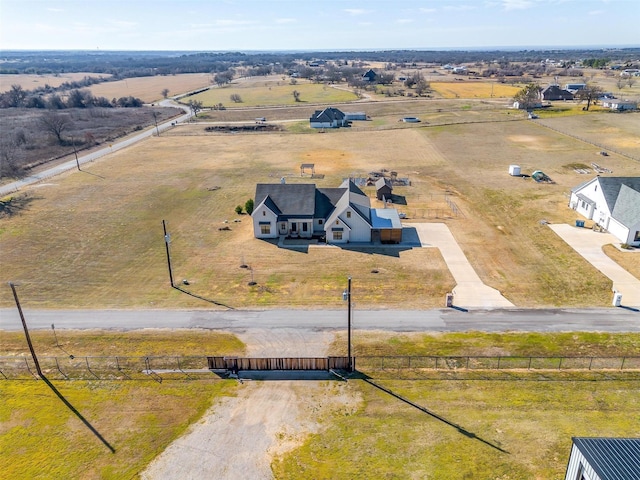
(239, 436)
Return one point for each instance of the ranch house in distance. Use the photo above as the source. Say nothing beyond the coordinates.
(337, 215)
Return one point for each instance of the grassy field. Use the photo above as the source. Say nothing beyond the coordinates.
(31, 82)
(471, 89)
(149, 89)
(80, 422)
(516, 429)
(70, 248)
(280, 93)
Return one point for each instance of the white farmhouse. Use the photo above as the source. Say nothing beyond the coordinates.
(340, 215)
(613, 203)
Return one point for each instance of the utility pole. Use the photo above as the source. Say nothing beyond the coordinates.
(75, 153)
(26, 330)
(346, 295)
(167, 239)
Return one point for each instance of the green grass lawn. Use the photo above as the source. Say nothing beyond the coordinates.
(508, 430)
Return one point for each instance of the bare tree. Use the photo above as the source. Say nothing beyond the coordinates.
(589, 93)
(620, 83)
(631, 81)
(55, 123)
(165, 92)
(16, 96)
(236, 98)
(296, 95)
(195, 106)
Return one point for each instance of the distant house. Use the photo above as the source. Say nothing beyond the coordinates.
(613, 203)
(554, 92)
(328, 118)
(383, 188)
(340, 215)
(604, 459)
(619, 105)
(574, 87)
(369, 76)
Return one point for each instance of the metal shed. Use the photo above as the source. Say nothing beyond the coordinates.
(604, 459)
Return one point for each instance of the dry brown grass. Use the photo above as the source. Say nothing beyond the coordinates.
(31, 82)
(629, 259)
(149, 89)
(92, 241)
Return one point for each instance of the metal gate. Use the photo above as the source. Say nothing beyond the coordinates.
(279, 363)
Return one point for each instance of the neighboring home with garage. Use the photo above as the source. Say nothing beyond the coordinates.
(340, 215)
(369, 76)
(613, 203)
(554, 92)
(383, 188)
(328, 118)
(619, 105)
(604, 459)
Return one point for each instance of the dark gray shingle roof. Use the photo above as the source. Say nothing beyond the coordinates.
(290, 199)
(612, 458)
(611, 187)
(627, 209)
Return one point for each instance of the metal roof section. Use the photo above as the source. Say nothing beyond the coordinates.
(611, 458)
(385, 218)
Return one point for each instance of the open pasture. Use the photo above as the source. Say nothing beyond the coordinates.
(475, 89)
(149, 89)
(278, 93)
(71, 248)
(31, 82)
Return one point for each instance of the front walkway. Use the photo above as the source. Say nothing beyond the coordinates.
(589, 245)
(469, 291)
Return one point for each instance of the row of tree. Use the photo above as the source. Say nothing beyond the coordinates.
(17, 97)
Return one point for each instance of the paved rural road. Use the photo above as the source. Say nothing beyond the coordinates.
(71, 164)
(444, 320)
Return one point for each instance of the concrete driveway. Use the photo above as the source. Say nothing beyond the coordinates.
(470, 291)
(589, 245)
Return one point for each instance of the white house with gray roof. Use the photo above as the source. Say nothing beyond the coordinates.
(613, 203)
(340, 215)
(330, 117)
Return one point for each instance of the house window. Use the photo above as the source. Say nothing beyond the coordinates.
(337, 222)
(320, 222)
(636, 238)
(305, 227)
(337, 235)
(264, 214)
(348, 214)
(265, 229)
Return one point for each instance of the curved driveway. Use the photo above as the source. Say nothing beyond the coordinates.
(470, 291)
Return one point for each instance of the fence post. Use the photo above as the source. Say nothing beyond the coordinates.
(560, 364)
(590, 363)
(622, 366)
(529, 367)
(499, 363)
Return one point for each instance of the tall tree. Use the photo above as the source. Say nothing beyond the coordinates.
(528, 97)
(55, 123)
(165, 92)
(195, 106)
(589, 93)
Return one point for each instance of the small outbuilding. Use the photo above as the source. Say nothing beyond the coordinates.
(604, 459)
(514, 170)
(383, 188)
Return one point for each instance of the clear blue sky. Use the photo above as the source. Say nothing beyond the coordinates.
(315, 24)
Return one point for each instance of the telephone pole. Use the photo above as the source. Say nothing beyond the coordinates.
(167, 239)
(26, 330)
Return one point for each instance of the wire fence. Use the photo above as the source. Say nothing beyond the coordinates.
(496, 363)
(197, 367)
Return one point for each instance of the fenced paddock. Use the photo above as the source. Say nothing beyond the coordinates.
(200, 367)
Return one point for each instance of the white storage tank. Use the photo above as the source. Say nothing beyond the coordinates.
(514, 170)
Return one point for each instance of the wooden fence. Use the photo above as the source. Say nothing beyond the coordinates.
(292, 363)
